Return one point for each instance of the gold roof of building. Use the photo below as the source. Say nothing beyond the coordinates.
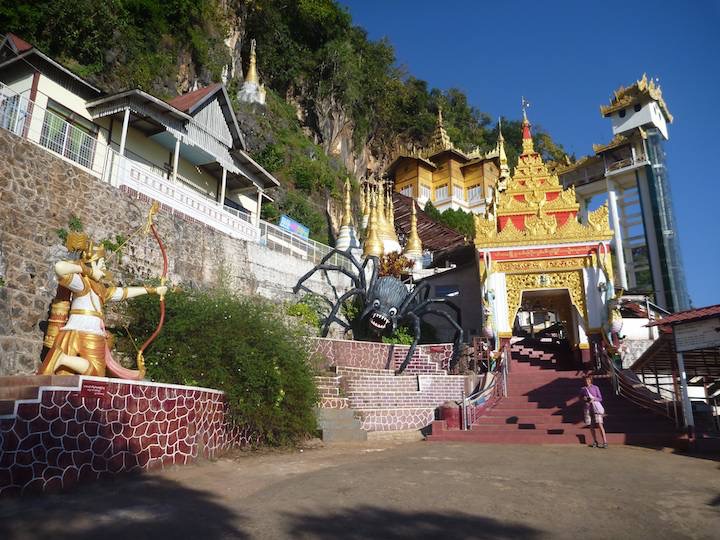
(625, 97)
(439, 143)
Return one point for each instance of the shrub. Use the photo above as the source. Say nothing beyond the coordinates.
(395, 264)
(402, 336)
(238, 345)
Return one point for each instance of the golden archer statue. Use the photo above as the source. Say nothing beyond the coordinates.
(79, 347)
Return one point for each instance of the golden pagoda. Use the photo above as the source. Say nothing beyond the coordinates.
(444, 174)
(372, 247)
(413, 248)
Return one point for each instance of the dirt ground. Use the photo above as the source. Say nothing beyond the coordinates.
(380, 490)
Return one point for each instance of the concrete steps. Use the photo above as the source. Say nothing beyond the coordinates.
(339, 425)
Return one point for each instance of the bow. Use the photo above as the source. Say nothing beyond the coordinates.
(150, 227)
(113, 366)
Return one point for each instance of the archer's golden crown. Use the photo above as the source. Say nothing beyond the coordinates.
(79, 242)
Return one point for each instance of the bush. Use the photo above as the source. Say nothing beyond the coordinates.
(402, 336)
(238, 345)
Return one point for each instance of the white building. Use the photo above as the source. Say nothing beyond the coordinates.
(187, 152)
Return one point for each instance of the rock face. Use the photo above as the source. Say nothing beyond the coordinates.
(39, 193)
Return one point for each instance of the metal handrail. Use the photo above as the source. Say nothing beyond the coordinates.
(626, 387)
(486, 397)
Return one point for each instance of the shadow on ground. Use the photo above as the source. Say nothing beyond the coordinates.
(135, 508)
(367, 522)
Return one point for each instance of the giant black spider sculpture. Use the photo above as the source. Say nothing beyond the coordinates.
(385, 303)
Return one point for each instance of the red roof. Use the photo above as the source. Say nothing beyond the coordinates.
(689, 315)
(435, 236)
(186, 102)
(20, 44)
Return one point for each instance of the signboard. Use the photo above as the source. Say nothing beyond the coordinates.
(293, 226)
(93, 389)
(697, 335)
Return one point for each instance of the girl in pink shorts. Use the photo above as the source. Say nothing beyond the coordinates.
(593, 411)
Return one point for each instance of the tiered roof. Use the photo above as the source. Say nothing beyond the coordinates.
(535, 209)
(440, 143)
(642, 90)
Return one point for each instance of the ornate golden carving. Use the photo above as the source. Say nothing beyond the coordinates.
(540, 230)
(572, 280)
(544, 265)
(624, 97)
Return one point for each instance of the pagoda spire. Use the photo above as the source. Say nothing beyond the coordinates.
(527, 142)
(413, 248)
(347, 210)
(440, 139)
(252, 76)
(347, 237)
(367, 190)
(372, 246)
(504, 168)
(252, 91)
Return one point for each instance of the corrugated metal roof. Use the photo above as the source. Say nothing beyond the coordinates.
(435, 236)
(20, 44)
(185, 102)
(688, 316)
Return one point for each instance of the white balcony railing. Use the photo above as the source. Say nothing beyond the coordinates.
(28, 120)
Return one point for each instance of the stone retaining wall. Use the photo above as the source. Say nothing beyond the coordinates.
(39, 192)
(61, 438)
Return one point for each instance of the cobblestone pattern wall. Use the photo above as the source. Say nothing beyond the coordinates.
(60, 439)
(396, 419)
(39, 192)
(387, 402)
(369, 355)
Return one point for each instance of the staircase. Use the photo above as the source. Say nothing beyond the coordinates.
(383, 403)
(24, 388)
(543, 406)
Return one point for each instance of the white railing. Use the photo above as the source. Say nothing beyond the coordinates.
(182, 199)
(306, 249)
(28, 120)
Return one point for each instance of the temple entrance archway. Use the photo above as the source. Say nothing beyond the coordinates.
(548, 313)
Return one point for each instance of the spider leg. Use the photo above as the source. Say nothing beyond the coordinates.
(358, 280)
(449, 303)
(422, 287)
(332, 317)
(416, 326)
(458, 330)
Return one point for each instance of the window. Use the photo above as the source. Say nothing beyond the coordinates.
(424, 191)
(441, 193)
(446, 290)
(621, 113)
(458, 193)
(69, 135)
(637, 107)
(475, 193)
(13, 110)
(407, 191)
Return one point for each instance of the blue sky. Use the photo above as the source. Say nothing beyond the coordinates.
(567, 57)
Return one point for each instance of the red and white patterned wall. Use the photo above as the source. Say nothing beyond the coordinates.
(61, 438)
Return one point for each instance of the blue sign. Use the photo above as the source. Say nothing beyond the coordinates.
(293, 226)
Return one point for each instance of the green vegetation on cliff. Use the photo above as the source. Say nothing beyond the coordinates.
(342, 84)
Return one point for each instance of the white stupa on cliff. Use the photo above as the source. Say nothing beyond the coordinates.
(252, 91)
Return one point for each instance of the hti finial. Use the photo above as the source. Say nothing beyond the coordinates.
(524, 104)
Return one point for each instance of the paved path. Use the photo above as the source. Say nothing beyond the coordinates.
(396, 491)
